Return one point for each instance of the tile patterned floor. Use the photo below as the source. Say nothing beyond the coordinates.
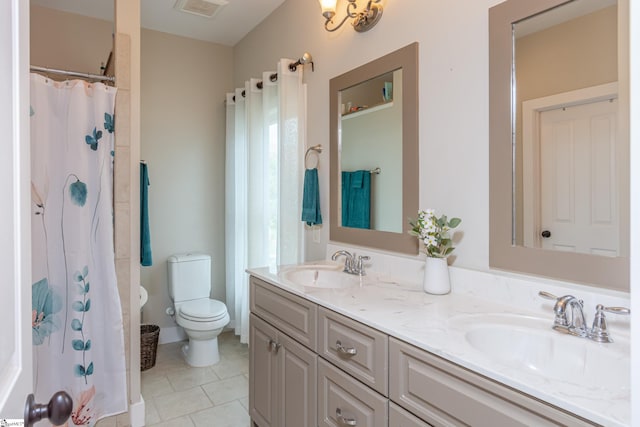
(176, 394)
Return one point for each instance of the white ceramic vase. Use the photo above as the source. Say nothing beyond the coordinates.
(436, 276)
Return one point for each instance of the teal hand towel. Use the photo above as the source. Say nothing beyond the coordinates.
(356, 199)
(145, 234)
(311, 198)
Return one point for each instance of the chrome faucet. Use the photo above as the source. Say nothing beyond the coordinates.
(352, 264)
(570, 317)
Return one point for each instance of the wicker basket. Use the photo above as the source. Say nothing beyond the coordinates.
(148, 346)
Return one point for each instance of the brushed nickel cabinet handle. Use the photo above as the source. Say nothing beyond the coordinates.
(274, 346)
(345, 421)
(344, 350)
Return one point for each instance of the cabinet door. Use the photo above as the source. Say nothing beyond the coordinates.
(297, 379)
(262, 373)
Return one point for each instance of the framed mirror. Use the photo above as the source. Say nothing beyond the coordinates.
(559, 146)
(374, 152)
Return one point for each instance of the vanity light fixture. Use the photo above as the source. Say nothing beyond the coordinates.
(363, 20)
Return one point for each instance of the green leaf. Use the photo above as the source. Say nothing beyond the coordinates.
(76, 325)
(86, 288)
(454, 222)
(87, 345)
(78, 345)
(448, 251)
(78, 306)
(77, 276)
(80, 288)
(87, 306)
(79, 370)
(90, 369)
(85, 271)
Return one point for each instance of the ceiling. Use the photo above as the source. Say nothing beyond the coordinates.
(227, 27)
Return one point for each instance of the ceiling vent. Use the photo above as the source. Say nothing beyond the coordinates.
(206, 8)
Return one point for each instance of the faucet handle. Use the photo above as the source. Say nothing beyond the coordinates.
(599, 331)
(359, 268)
(547, 295)
(615, 310)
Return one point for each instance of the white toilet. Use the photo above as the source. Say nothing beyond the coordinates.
(201, 317)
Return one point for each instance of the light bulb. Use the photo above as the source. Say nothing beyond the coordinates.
(328, 6)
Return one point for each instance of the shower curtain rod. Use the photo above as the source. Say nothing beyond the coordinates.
(74, 74)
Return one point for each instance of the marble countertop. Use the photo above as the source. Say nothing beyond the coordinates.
(433, 323)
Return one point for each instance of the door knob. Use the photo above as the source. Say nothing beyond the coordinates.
(546, 234)
(57, 410)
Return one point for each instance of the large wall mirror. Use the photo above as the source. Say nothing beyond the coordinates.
(559, 146)
(374, 152)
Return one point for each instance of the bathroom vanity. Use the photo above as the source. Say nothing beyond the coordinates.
(376, 352)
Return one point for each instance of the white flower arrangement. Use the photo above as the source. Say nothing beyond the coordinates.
(434, 233)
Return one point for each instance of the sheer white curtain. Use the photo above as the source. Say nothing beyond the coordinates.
(264, 148)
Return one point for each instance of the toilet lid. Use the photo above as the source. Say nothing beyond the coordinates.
(203, 310)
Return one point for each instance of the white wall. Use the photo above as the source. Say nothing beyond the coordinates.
(184, 82)
(453, 97)
(68, 41)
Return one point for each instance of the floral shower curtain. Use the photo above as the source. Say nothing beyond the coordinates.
(78, 342)
(265, 142)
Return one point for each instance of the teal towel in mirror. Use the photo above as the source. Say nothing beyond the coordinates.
(311, 198)
(356, 199)
(145, 235)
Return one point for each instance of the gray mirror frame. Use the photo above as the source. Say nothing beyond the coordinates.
(407, 59)
(611, 273)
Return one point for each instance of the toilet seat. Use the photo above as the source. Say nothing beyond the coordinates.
(203, 310)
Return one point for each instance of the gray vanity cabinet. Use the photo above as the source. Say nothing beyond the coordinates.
(282, 371)
(310, 366)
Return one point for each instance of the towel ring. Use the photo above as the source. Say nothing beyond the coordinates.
(318, 150)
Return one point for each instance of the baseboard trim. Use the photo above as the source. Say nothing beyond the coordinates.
(136, 413)
(171, 334)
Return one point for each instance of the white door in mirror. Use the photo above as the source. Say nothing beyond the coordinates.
(579, 197)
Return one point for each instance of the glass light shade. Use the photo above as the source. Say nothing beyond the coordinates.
(328, 6)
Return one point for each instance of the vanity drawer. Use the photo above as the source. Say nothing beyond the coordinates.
(445, 394)
(291, 314)
(339, 395)
(358, 349)
(398, 417)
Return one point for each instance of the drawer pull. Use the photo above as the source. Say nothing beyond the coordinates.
(344, 350)
(345, 421)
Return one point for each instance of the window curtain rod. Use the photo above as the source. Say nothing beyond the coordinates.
(305, 59)
(73, 74)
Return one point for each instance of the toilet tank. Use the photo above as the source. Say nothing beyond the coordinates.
(189, 276)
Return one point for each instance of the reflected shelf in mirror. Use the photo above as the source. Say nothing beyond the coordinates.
(374, 124)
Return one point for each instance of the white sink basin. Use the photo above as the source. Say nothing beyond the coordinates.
(529, 343)
(327, 276)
